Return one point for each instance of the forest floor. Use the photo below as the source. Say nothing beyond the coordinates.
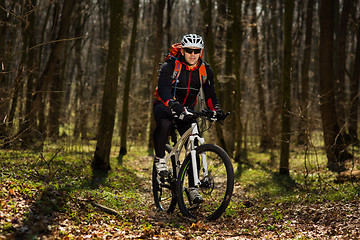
(53, 196)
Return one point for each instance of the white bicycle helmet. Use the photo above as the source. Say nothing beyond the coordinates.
(192, 40)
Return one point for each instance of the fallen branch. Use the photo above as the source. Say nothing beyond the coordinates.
(102, 207)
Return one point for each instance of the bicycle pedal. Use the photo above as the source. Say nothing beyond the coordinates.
(162, 180)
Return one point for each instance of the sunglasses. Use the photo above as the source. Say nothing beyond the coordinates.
(190, 51)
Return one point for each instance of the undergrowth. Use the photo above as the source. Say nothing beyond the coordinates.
(39, 187)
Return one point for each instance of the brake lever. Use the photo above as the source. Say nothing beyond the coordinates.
(222, 120)
(185, 113)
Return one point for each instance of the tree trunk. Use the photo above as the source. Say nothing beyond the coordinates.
(265, 141)
(4, 96)
(101, 56)
(220, 39)
(170, 4)
(56, 99)
(286, 84)
(304, 100)
(275, 83)
(354, 93)
(3, 27)
(206, 8)
(340, 94)
(334, 144)
(80, 102)
(237, 39)
(125, 107)
(155, 67)
(28, 116)
(21, 72)
(101, 160)
(56, 94)
(228, 93)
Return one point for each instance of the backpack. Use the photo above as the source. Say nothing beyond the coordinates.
(174, 53)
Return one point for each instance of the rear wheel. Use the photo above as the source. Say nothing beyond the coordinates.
(216, 188)
(164, 188)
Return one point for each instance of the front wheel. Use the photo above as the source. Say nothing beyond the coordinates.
(216, 187)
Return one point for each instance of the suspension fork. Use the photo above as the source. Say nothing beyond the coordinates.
(191, 145)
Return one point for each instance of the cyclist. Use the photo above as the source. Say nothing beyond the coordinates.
(175, 94)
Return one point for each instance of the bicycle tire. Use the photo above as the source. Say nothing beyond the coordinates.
(216, 190)
(164, 188)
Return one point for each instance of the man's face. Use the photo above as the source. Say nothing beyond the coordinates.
(191, 55)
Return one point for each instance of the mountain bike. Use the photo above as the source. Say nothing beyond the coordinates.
(214, 175)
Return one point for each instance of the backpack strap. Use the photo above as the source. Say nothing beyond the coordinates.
(203, 78)
(176, 74)
(174, 77)
(203, 74)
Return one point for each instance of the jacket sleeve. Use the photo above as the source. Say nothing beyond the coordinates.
(165, 81)
(209, 90)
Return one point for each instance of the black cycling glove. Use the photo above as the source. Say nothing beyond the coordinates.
(176, 107)
(220, 114)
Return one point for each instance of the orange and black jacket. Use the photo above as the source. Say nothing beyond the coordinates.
(188, 84)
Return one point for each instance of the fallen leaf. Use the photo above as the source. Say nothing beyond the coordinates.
(12, 192)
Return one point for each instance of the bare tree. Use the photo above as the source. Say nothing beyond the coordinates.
(340, 94)
(304, 100)
(206, 6)
(355, 92)
(4, 96)
(236, 29)
(334, 145)
(265, 141)
(21, 71)
(275, 66)
(28, 116)
(125, 107)
(101, 160)
(169, 7)
(159, 31)
(286, 83)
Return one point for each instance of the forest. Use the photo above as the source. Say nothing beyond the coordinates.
(77, 83)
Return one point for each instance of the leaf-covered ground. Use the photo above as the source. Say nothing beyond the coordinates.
(54, 196)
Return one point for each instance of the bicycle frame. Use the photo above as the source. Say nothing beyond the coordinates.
(189, 137)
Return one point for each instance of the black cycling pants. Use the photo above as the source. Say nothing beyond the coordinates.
(164, 122)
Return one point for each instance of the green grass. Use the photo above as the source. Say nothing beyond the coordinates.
(309, 179)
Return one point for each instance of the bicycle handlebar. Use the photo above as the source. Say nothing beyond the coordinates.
(208, 114)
